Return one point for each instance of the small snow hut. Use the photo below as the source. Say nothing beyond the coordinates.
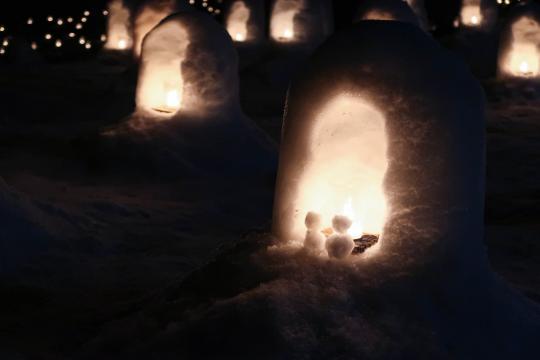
(245, 21)
(370, 153)
(188, 64)
(119, 30)
(301, 22)
(519, 50)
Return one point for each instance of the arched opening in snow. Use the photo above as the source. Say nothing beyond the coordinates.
(237, 21)
(338, 191)
(522, 58)
(282, 27)
(119, 27)
(160, 89)
(149, 15)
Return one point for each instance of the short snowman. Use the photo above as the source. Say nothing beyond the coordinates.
(340, 244)
(315, 239)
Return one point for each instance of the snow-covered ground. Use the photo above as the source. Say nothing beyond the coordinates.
(118, 234)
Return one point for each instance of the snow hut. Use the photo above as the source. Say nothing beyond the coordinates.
(374, 156)
(149, 15)
(187, 64)
(478, 14)
(519, 50)
(245, 21)
(306, 22)
(390, 10)
(119, 30)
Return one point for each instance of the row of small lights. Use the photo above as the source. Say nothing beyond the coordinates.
(80, 24)
(4, 41)
(505, 2)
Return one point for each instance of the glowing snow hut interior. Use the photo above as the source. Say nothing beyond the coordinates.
(245, 20)
(519, 52)
(119, 32)
(301, 21)
(148, 16)
(358, 162)
(188, 64)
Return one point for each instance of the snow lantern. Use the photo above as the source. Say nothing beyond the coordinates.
(149, 15)
(390, 10)
(245, 20)
(478, 14)
(306, 22)
(519, 51)
(119, 31)
(380, 162)
(187, 64)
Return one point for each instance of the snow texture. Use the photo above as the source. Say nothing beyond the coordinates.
(396, 10)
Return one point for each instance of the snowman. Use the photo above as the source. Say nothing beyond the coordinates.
(340, 244)
(315, 239)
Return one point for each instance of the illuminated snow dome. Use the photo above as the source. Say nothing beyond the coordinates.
(480, 15)
(187, 66)
(390, 10)
(301, 22)
(119, 28)
(519, 50)
(245, 21)
(384, 160)
(150, 13)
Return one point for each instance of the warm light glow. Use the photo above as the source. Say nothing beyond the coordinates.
(71, 35)
(523, 58)
(84, 19)
(58, 43)
(60, 21)
(355, 230)
(122, 44)
(237, 21)
(50, 19)
(282, 20)
(147, 19)
(471, 15)
(78, 26)
(69, 19)
(48, 36)
(88, 45)
(30, 21)
(173, 99)
(34, 46)
(345, 170)
(82, 41)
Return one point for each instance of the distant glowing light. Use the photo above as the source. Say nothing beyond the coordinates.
(86, 13)
(69, 19)
(78, 26)
(2, 29)
(105, 12)
(30, 21)
(2, 51)
(34, 45)
(48, 36)
(5, 42)
(71, 34)
(84, 19)
(58, 43)
(60, 21)
(122, 44)
(88, 45)
(103, 37)
(50, 18)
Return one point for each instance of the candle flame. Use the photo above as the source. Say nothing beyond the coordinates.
(173, 99)
(240, 37)
(474, 20)
(122, 44)
(524, 67)
(355, 230)
(287, 34)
